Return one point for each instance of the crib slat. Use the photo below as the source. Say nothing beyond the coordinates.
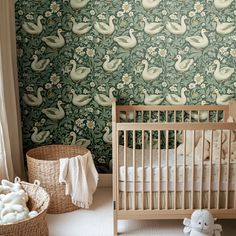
(202, 168)
(159, 170)
(193, 170)
(117, 171)
(228, 166)
(134, 154)
(134, 171)
(184, 165)
(143, 164)
(151, 179)
(217, 116)
(210, 171)
(167, 168)
(125, 165)
(175, 165)
(219, 172)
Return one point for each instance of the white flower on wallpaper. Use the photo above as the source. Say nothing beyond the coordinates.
(75, 56)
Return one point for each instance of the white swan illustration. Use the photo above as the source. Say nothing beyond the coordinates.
(80, 100)
(40, 65)
(80, 28)
(80, 73)
(32, 28)
(176, 28)
(153, 27)
(53, 113)
(222, 4)
(223, 99)
(224, 28)
(104, 100)
(34, 101)
(183, 66)
(126, 41)
(80, 142)
(152, 99)
(78, 4)
(39, 137)
(174, 99)
(111, 66)
(104, 28)
(149, 4)
(152, 73)
(199, 42)
(55, 42)
(107, 137)
(222, 73)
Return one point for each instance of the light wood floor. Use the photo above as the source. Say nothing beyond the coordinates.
(97, 221)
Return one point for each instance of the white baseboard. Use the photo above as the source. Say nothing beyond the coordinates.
(105, 180)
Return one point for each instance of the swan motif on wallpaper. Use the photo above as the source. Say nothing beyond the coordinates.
(222, 73)
(33, 28)
(80, 142)
(80, 73)
(199, 42)
(149, 4)
(152, 99)
(224, 28)
(222, 4)
(183, 66)
(176, 28)
(39, 65)
(127, 42)
(81, 99)
(104, 28)
(151, 73)
(78, 4)
(53, 113)
(104, 100)
(107, 137)
(55, 42)
(152, 27)
(33, 101)
(111, 66)
(39, 137)
(80, 28)
(222, 99)
(174, 99)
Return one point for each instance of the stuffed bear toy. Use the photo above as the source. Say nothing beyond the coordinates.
(201, 224)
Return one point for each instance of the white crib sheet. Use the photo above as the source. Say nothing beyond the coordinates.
(215, 171)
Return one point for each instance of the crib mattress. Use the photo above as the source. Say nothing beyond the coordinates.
(183, 172)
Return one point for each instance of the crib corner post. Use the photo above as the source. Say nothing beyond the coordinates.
(232, 109)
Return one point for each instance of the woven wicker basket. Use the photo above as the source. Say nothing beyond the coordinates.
(36, 226)
(44, 165)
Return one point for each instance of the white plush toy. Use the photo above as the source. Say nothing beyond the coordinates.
(201, 224)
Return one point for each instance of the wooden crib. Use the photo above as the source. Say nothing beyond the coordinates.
(170, 160)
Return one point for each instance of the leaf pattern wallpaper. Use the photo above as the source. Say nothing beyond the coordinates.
(74, 56)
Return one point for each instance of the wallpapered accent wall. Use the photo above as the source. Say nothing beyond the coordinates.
(74, 56)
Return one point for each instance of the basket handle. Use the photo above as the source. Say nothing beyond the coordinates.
(37, 182)
(17, 179)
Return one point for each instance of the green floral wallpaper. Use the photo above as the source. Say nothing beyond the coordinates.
(75, 55)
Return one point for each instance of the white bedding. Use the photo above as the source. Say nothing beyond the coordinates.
(215, 170)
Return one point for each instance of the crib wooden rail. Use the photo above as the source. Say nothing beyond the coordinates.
(170, 160)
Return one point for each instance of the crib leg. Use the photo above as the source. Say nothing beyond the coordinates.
(115, 224)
